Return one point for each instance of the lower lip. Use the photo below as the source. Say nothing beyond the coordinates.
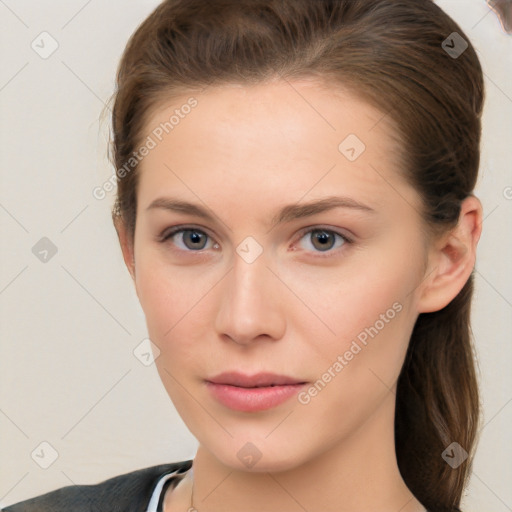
(252, 399)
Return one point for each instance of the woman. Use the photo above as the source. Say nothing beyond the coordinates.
(315, 377)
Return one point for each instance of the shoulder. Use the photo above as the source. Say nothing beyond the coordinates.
(129, 492)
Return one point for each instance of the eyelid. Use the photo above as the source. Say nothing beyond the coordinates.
(173, 230)
(349, 238)
(168, 233)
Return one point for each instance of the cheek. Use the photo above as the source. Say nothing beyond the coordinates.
(367, 318)
(370, 342)
(176, 302)
(342, 303)
(167, 293)
(355, 371)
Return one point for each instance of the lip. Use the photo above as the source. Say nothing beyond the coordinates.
(252, 393)
(263, 379)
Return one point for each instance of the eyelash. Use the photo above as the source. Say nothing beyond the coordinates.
(329, 253)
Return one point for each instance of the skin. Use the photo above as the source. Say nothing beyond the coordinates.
(244, 152)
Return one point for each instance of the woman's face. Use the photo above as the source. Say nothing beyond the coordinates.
(243, 292)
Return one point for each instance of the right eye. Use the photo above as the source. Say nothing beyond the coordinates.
(192, 239)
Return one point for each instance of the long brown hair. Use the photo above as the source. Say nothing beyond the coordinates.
(395, 54)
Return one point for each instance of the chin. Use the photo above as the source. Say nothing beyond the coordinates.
(258, 456)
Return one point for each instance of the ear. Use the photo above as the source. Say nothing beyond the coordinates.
(126, 243)
(451, 259)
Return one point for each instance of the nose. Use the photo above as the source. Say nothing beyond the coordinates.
(251, 305)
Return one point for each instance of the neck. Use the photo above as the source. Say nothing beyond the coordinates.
(359, 473)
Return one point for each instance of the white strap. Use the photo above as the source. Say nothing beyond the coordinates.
(155, 498)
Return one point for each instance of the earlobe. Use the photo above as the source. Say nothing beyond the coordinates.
(452, 259)
(126, 246)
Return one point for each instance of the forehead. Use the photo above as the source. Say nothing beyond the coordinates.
(300, 137)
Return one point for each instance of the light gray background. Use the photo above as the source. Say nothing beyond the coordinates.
(69, 326)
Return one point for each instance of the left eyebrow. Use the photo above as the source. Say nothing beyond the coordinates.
(287, 213)
(298, 211)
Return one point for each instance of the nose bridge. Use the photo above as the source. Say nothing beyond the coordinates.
(249, 278)
(250, 305)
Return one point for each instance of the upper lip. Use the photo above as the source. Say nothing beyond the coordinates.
(251, 381)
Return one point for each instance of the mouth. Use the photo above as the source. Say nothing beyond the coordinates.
(259, 380)
(253, 393)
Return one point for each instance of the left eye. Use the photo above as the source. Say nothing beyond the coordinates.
(323, 239)
(193, 240)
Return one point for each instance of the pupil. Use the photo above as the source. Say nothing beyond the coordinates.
(323, 238)
(195, 236)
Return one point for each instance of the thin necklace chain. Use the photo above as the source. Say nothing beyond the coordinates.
(192, 509)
